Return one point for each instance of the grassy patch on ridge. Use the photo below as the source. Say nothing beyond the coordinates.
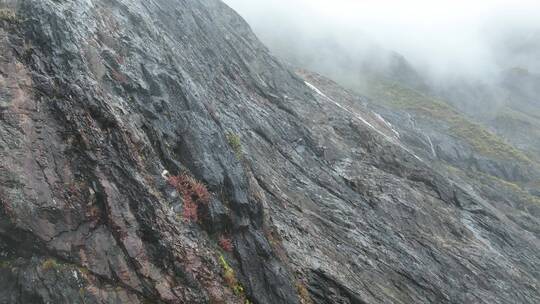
(481, 140)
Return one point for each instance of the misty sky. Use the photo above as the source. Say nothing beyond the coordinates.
(468, 38)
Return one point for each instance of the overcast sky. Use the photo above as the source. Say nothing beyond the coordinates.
(453, 36)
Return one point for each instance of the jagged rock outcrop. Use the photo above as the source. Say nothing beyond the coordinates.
(323, 203)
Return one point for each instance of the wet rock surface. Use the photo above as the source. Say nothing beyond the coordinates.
(98, 98)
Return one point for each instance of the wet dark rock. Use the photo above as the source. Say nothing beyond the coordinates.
(99, 98)
(324, 290)
(218, 216)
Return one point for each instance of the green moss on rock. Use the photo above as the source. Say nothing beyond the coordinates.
(235, 143)
(8, 15)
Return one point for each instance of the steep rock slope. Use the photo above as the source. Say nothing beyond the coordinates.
(451, 141)
(99, 98)
(434, 131)
(463, 227)
(323, 203)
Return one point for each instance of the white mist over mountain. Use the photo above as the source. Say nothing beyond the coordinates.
(442, 39)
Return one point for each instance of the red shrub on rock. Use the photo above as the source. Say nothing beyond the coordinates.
(225, 243)
(190, 210)
(194, 194)
(200, 192)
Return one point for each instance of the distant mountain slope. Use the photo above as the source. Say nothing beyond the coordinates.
(506, 104)
(519, 119)
(454, 146)
(154, 151)
(482, 141)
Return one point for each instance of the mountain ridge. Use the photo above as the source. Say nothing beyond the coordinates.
(123, 121)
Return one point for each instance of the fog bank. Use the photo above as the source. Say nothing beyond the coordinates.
(471, 40)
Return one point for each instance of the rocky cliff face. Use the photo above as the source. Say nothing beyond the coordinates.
(104, 102)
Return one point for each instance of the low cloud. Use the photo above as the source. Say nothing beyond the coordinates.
(441, 39)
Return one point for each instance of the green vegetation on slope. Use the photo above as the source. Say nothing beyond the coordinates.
(510, 115)
(8, 15)
(512, 190)
(516, 123)
(481, 140)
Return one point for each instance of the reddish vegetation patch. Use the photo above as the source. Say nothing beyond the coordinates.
(120, 59)
(190, 211)
(194, 194)
(225, 243)
(118, 76)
